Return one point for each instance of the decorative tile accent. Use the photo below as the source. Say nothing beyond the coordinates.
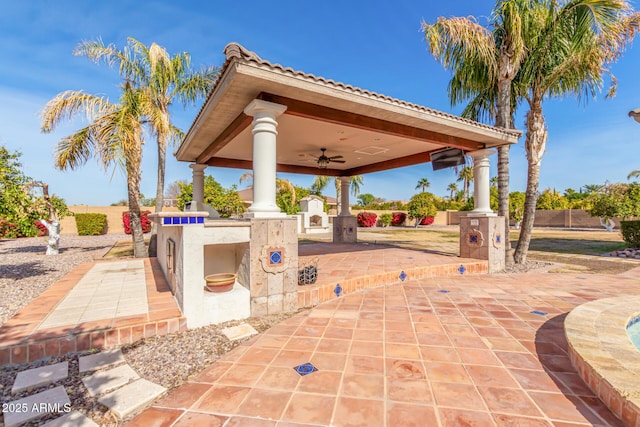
(443, 291)
(402, 276)
(350, 230)
(180, 220)
(337, 290)
(539, 313)
(462, 269)
(305, 369)
(475, 238)
(275, 257)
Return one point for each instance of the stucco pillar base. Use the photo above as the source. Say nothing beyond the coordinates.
(264, 215)
(274, 278)
(345, 229)
(482, 237)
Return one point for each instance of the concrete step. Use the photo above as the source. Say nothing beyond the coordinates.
(132, 397)
(36, 377)
(36, 405)
(104, 359)
(111, 379)
(75, 419)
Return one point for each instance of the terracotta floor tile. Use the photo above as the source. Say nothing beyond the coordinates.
(212, 373)
(409, 390)
(491, 376)
(433, 339)
(248, 422)
(447, 372)
(241, 374)
(572, 384)
(321, 382)
(478, 357)
(519, 360)
(309, 408)
(367, 348)
(338, 333)
(351, 412)
(363, 386)
(280, 378)
(564, 408)
(264, 403)
(302, 343)
(406, 415)
(365, 365)
(156, 417)
(439, 354)
(602, 411)
(456, 395)
(509, 401)
(272, 341)
(459, 418)
(329, 361)
(402, 351)
(329, 345)
(222, 399)
(504, 420)
(556, 363)
(198, 419)
(401, 337)
(184, 396)
(405, 369)
(258, 356)
(535, 380)
(291, 358)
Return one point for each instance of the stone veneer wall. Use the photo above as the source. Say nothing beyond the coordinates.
(274, 288)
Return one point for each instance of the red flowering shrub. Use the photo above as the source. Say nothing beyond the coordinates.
(8, 230)
(428, 220)
(144, 220)
(367, 219)
(42, 230)
(398, 218)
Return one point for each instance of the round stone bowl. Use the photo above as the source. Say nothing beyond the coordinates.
(220, 282)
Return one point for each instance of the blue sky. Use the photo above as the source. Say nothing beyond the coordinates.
(375, 45)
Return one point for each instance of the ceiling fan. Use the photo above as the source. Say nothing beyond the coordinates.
(324, 160)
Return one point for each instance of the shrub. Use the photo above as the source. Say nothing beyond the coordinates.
(428, 220)
(91, 224)
(367, 219)
(385, 219)
(422, 205)
(8, 230)
(398, 218)
(42, 229)
(144, 221)
(631, 233)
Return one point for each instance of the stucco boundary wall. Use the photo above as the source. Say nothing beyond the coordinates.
(114, 217)
(564, 218)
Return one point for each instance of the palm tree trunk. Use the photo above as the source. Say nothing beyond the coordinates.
(536, 140)
(162, 160)
(133, 188)
(503, 120)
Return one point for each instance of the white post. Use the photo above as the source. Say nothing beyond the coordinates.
(481, 188)
(197, 182)
(264, 157)
(344, 196)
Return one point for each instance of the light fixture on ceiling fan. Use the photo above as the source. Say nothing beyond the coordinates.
(324, 160)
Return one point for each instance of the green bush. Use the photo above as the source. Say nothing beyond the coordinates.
(91, 224)
(631, 233)
(385, 219)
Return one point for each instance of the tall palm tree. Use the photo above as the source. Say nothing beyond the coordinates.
(634, 174)
(453, 189)
(322, 181)
(423, 184)
(485, 60)
(163, 79)
(114, 136)
(568, 53)
(466, 177)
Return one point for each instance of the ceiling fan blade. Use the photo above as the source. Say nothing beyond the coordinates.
(337, 161)
(336, 157)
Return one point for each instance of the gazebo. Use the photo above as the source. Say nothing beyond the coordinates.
(269, 118)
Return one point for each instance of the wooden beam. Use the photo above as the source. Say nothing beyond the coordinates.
(413, 159)
(248, 164)
(331, 115)
(234, 129)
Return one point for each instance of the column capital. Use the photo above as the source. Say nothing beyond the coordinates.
(198, 167)
(259, 106)
(478, 154)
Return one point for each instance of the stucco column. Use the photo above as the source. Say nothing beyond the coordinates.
(481, 193)
(344, 196)
(264, 157)
(198, 182)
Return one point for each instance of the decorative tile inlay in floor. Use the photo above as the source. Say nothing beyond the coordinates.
(305, 369)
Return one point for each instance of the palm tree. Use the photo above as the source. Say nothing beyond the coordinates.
(162, 79)
(634, 174)
(466, 176)
(322, 181)
(423, 184)
(593, 188)
(494, 181)
(485, 61)
(568, 52)
(282, 185)
(453, 189)
(114, 136)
